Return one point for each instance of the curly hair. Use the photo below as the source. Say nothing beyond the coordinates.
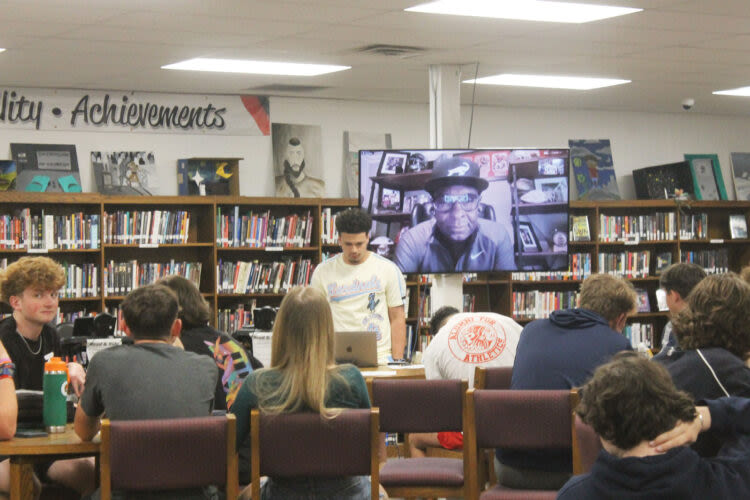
(745, 273)
(440, 317)
(631, 399)
(681, 277)
(716, 315)
(353, 221)
(37, 272)
(608, 296)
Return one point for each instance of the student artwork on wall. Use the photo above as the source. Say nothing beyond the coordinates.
(353, 143)
(124, 172)
(741, 175)
(7, 175)
(208, 176)
(593, 169)
(46, 168)
(660, 182)
(707, 178)
(298, 160)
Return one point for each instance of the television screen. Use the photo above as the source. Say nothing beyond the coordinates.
(468, 210)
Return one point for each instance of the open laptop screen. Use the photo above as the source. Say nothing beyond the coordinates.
(357, 347)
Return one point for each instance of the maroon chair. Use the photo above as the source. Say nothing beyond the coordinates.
(168, 454)
(497, 377)
(308, 445)
(421, 406)
(586, 446)
(514, 419)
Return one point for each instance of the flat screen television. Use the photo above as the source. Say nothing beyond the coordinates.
(468, 210)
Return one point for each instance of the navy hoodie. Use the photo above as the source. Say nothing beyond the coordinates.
(561, 352)
(678, 474)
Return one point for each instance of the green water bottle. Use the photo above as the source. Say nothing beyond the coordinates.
(55, 385)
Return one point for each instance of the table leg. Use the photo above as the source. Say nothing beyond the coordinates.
(21, 480)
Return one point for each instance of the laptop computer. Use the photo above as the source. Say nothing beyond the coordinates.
(358, 347)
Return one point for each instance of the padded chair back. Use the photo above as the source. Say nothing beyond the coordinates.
(586, 446)
(496, 378)
(417, 405)
(308, 445)
(168, 454)
(64, 329)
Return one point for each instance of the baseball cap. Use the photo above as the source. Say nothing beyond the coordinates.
(453, 171)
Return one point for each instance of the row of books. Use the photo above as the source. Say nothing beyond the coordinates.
(535, 304)
(639, 333)
(122, 277)
(263, 277)
(425, 304)
(469, 303)
(328, 233)
(713, 261)
(411, 341)
(256, 230)
(70, 316)
(47, 231)
(80, 280)
(150, 227)
(231, 320)
(693, 226)
(626, 264)
(579, 267)
(651, 227)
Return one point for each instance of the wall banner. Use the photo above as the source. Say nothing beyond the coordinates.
(118, 111)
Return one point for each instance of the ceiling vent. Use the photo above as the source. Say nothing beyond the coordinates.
(386, 50)
(281, 87)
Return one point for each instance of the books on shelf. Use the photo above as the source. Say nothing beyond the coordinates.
(122, 277)
(639, 333)
(712, 261)
(255, 230)
(469, 302)
(652, 227)
(631, 265)
(149, 227)
(663, 261)
(40, 231)
(536, 304)
(579, 228)
(694, 226)
(80, 280)
(644, 305)
(737, 226)
(328, 233)
(231, 320)
(263, 277)
(579, 267)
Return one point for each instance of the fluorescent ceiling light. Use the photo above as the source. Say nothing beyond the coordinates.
(742, 92)
(2, 50)
(524, 10)
(548, 81)
(255, 67)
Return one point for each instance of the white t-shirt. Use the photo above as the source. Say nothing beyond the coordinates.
(361, 294)
(468, 340)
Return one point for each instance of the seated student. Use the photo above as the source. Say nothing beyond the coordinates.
(30, 286)
(303, 377)
(643, 421)
(461, 342)
(151, 379)
(561, 352)
(712, 331)
(678, 280)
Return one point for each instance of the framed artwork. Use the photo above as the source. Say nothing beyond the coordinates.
(737, 226)
(644, 305)
(593, 169)
(7, 175)
(390, 199)
(46, 168)
(124, 172)
(662, 182)
(393, 163)
(555, 189)
(527, 238)
(741, 175)
(707, 180)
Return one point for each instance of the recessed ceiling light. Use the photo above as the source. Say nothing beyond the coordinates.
(524, 10)
(255, 67)
(742, 92)
(548, 81)
(2, 50)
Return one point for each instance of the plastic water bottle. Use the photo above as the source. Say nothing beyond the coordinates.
(55, 385)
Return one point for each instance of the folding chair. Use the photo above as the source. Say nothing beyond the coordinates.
(308, 445)
(168, 454)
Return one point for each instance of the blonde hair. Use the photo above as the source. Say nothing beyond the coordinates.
(37, 272)
(745, 273)
(302, 356)
(608, 296)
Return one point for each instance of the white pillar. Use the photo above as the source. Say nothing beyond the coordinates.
(445, 132)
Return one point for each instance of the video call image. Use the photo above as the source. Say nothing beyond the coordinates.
(470, 210)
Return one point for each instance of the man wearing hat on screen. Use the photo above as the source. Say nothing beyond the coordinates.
(456, 238)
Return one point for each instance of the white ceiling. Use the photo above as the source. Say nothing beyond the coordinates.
(672, 50)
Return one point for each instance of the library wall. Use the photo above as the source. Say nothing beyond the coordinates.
(638, 139)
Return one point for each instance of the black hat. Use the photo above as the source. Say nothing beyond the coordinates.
(455, 170)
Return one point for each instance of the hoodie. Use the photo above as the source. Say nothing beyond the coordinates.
(560, 352)
(678, 474)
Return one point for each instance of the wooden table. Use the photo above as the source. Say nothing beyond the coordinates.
(408, 371)
(25, 452)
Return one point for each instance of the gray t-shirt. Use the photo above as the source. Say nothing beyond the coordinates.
(149, 381)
